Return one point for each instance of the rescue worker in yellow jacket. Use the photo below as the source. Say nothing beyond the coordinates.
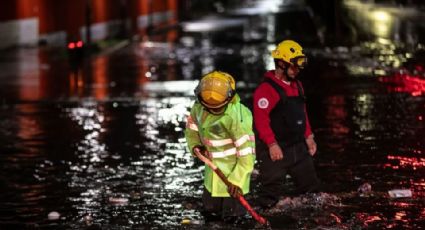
(221, 127)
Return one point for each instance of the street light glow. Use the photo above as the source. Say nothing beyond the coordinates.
(381, 16)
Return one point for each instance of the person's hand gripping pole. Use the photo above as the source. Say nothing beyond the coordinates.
(234, 190)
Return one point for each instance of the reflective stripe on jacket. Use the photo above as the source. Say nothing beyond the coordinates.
(230, 140)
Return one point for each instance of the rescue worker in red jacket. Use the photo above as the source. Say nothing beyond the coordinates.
(286, 143)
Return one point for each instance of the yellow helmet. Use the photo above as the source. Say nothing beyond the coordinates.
(290, 52)
(215, 89)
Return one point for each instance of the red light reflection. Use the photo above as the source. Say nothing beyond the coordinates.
(367, 219)
(413, 162)
(337, 112)
(402, 205)
(401, 216)
(404, 82)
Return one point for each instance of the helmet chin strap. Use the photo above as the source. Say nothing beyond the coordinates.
(285, 70)
(217, 111)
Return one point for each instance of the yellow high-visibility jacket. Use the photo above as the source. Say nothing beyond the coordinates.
(230, 140)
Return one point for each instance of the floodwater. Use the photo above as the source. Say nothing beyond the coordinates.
(103, 145)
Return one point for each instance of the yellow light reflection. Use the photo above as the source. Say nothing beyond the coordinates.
(381, 16)
(385, 41)
(382, 29)
(382, 22)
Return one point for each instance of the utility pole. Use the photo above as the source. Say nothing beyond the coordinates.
(149, 29)
(337, 17)
(123, 18)
(88, 22)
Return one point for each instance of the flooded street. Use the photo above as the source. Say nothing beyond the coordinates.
(102, 144)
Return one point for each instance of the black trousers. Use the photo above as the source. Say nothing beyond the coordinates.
(296, 162)
(222, 206)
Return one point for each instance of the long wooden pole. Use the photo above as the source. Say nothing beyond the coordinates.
(240, 197)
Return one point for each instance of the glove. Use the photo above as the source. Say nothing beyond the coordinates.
(202, 150)
(234, 190)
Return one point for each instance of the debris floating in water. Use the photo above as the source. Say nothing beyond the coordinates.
(88, 219)
(364, 189)
(118, 200)
(186, 221)
(53, 215)
(399, 193)
(189, 221)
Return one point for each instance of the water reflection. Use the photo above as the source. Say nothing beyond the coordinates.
(90, 119)
(414, 163)
(76, 84)
(405, 83)
(336, 114)
(384, 21)
(100, 82)
(172, 165)
(104, 146)
(151, 182)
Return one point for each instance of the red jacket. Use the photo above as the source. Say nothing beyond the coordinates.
(265, 99)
